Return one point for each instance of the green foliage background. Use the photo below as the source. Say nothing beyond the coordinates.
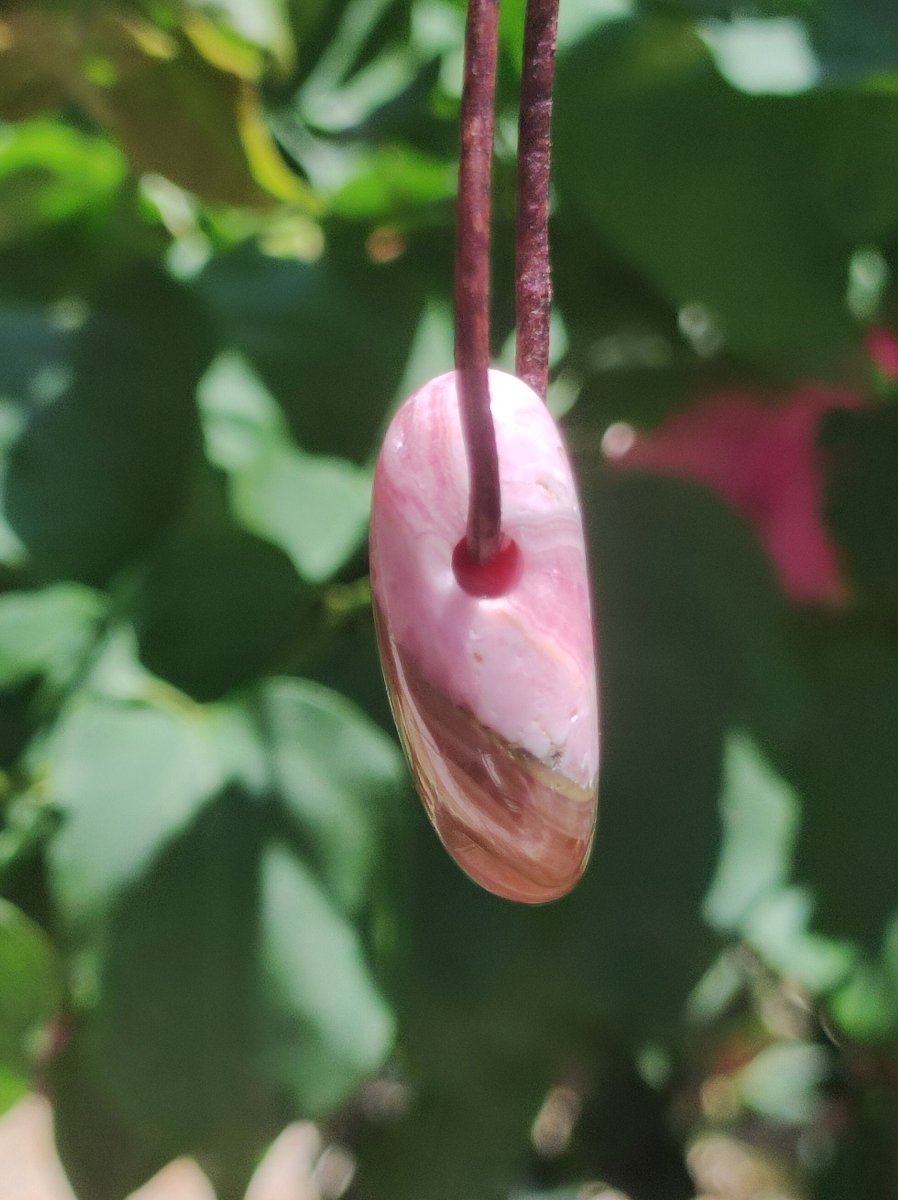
(225, 253)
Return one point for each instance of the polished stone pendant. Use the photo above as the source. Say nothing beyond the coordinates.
(490, 670)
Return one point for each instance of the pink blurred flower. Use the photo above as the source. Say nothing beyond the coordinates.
(882, 346)
(759, 454)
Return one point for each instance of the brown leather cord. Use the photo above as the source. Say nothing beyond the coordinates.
(472, 277)
(533, 277)
(533, 291)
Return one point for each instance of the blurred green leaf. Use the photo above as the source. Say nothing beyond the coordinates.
(762, 55)
(783, 1081)
(172, 1050)
(46, 630)
(314, 507)
(856, 39)
(394, 183)
(264, 23)
(12, 1088)
(760, 815)
(50, 174)
(30, 996)
(864, 1006)
(179, 101)
(224, 847)
(313, 24)
(368, 63)
(778, 928)
(750, 894)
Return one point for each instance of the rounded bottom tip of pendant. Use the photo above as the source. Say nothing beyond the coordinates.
(503, 879)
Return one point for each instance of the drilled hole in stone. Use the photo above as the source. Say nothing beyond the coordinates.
(491, 579)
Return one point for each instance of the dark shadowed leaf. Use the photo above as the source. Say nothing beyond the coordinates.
(861, 449)
(171, 1045)
(860, 1160)
(846, 768)
(103, 1156)
(672, 166)
(224, 848)
(218, 608)
(691, 644)
(855, 39)
(329, 339)
(102, 467)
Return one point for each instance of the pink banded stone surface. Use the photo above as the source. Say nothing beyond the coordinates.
(494, 697)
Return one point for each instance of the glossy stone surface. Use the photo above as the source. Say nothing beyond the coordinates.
(494, 696)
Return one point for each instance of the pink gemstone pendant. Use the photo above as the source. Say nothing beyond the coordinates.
(490, 670)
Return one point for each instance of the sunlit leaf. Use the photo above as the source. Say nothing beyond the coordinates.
(338, 777)
(314, 507)
(394, 184)
(45, 631)
(174, 109)
(50, 173)
(126, 779)
(782, 1081)
(760, 815)
(329, 1026)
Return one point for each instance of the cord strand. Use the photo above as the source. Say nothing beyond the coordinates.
(533, 276)
(472, 278)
